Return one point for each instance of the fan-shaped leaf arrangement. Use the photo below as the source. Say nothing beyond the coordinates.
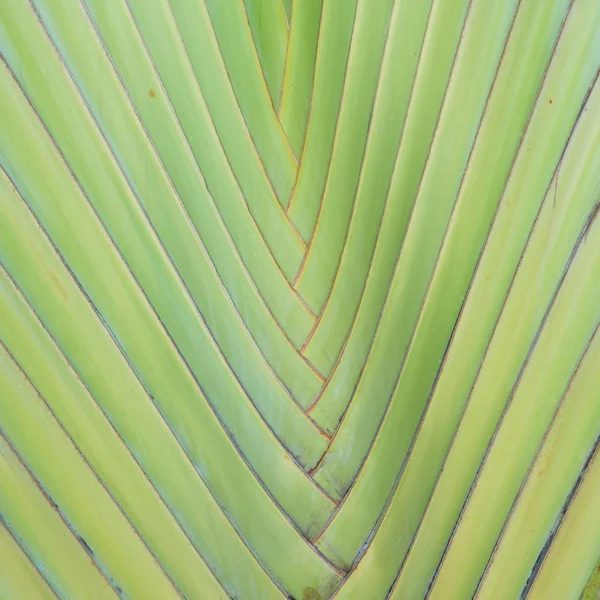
(299, 299)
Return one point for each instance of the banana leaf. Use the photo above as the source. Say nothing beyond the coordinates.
(299, 299)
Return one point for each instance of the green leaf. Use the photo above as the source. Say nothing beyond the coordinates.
(299, 299)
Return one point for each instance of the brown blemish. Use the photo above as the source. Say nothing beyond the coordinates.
(545, 466)
(151, 93)
(310, 594)
(58, 285)
(550, 101)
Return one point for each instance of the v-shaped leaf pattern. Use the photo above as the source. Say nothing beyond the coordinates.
(298, 298)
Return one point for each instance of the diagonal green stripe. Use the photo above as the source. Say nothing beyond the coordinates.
(104, 371)
(361, 92)
(43, 534)
(523, 67)
(333, 46)
(407, 30)
(118, 208)
(476, 66)
(19, 578)
(299, 75)
(136, 327)
(243, 71)
(528, 414)
(97, 521)
(229, 167)
(575, 549)
(552, 477)
(268, 22)
(442, 37)
(499, 368)
(101, 445)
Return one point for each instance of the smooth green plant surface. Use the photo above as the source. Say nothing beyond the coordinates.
(299, 299)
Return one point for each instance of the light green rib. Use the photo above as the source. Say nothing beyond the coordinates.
(183, 406)
(129, 54)
(107, 190)
(476, 66)
(257, 124)
(296, 94)
(106, 453)
(99, 364)
(172, 224)
(43, 535)
(402, 518)
(553, 475)
(116, 548)
(521, 72)
(19, 579)
(501, 257)
(333, 46)
(555, 355)
(159, 29)
(300, 299)
(124, 308)
(407, 30)
(575, 549)
(532, 288)
(361, 96)
(160, 32)
(243, 69)
(194, 45)
(551, 245)
(439, 47)
(268, 23)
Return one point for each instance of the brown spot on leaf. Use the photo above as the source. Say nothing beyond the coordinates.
(545, 465)
(151, 93)
(310, 594)
(550, 101)
(58, 285)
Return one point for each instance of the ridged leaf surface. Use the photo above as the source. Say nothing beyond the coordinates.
(299, 299)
